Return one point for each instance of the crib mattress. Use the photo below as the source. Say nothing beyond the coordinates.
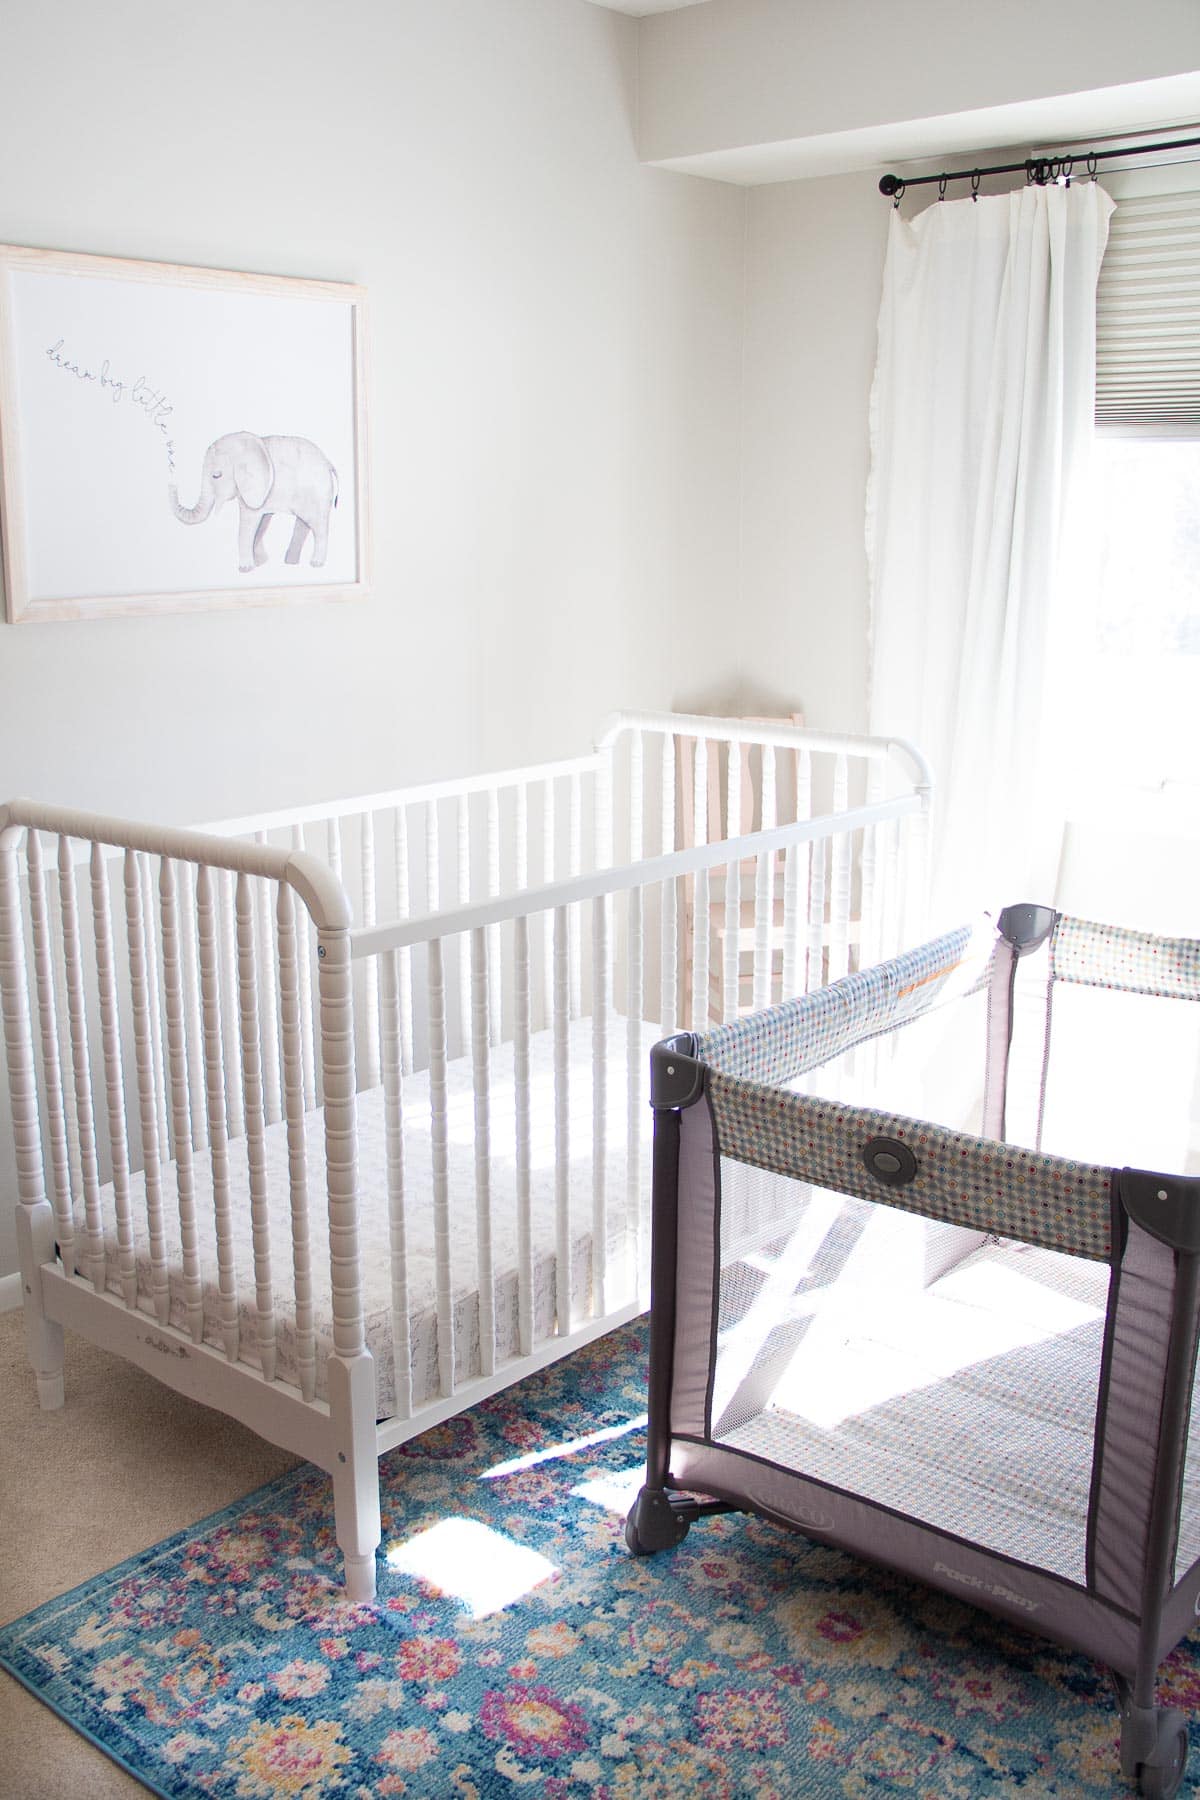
(374, 1227)
(969, 1405)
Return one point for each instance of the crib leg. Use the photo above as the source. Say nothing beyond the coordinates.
(355, 1469)
(43, 1336)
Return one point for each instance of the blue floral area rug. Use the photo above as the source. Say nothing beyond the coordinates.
(517, 1649)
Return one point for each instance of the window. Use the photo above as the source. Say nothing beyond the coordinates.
(1138, 655)
(1146, 621)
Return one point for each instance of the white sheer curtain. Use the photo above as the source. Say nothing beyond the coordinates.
(981, 423)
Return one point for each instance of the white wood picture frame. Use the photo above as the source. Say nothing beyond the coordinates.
(136, 398)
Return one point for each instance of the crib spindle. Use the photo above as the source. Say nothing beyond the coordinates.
(493, 931)
(700, 899)
(404, 965)
(439, 1137)
(764, 886)
(235, 1110)
(601, 1003)
(55, 1114)
(252, 1089)
(193, 1031)
(792, 953)
(153, 1145)
(575, 867)
(371, 966)
(482, 1086)
(804, 866)
(214, 1086)
(732, 966)
(670, 900)
(304, 963)
(293, 1109)
(765, 898)
(161, 1084)
(269, 1010)
(839, 879)
(562, 1122)
(637, 804)
(393, 1096)
(522, 1025)
(869, 950)
(463, 870)
(114, 1083)
(635, 1081)
(816, 917)
(433, 857)
(185, 1184)
(549, 868)
(333, 846)
(895, 897)
(81, 1064)
(521, 837)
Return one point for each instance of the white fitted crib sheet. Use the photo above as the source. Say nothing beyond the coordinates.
(374, 1227)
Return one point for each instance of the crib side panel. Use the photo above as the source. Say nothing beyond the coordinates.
(163, 987)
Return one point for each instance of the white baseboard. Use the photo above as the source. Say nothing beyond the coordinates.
(10, 1293)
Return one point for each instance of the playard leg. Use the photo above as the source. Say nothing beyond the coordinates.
(659, 1520)
(1154, 1744)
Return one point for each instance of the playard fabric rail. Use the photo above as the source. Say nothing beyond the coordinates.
(1012, 1424)
(340, 1158)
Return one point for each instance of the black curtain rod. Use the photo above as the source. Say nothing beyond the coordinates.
(1036, 169)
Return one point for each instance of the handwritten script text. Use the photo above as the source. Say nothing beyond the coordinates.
(140, 393)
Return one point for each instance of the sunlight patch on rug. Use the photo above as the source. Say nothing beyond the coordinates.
(473, 1563)
(514, 1464)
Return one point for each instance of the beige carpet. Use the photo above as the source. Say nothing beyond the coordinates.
(122, 1466)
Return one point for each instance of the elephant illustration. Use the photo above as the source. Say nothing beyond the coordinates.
(267, 475)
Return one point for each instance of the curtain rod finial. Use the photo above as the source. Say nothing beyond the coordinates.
(890, 184)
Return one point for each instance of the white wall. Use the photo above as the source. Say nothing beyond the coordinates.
(553, 402)
(814, 265)
(472, 165)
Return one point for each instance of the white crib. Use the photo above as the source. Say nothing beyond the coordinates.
(436, 1006)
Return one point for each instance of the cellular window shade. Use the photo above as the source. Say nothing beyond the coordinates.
(1148, 315)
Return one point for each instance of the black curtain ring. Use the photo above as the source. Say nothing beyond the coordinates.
(1092, 165)
(941, 187)
(975, 179)
(897, 191)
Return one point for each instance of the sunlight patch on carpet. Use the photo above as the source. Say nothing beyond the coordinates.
(615, 1490)
(514, 1465)
(472, 1563)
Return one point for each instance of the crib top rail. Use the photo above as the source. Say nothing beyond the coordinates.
(646, 872)
(771, 736)
(307, 875)
(420, 794)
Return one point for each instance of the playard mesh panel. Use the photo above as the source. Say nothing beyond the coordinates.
(935, 1349)
(952, 1379)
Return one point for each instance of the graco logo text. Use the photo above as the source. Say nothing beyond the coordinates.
(996, 1588)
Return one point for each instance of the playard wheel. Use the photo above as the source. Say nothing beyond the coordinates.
(634, 1542)
(1162, 1774)
(654, 1524)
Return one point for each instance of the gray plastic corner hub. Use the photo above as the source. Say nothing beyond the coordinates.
(1167, 1206)
(676, 1078)
(1026, 927)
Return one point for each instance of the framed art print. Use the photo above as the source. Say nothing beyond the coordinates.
(177, 438)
